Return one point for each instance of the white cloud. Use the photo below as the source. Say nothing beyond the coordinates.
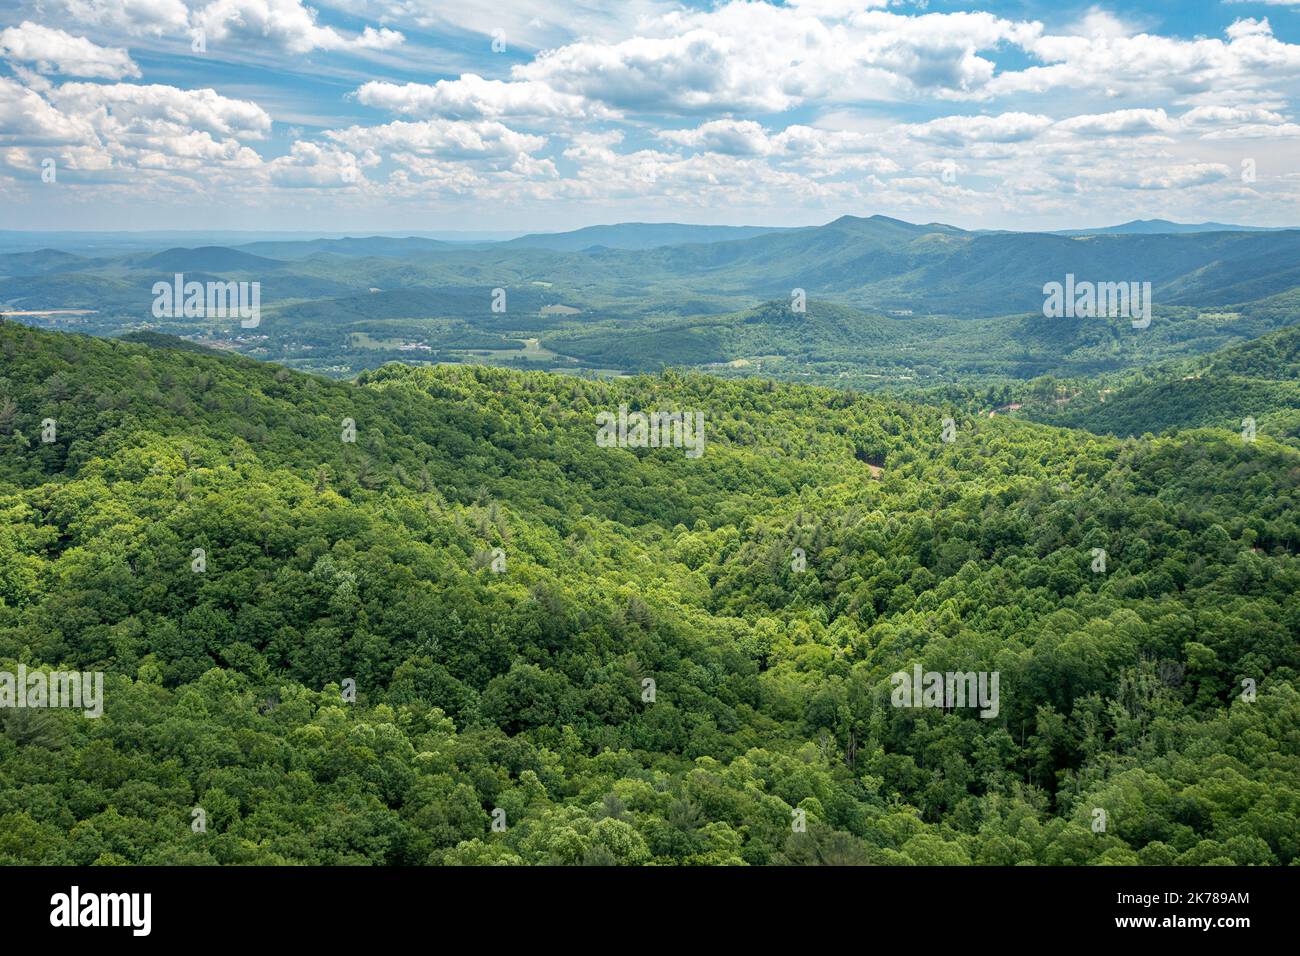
(309, 165)
(1228, 115)
(1119, 122)
(964, 130)
(759, 57)
(127, 108)
(1179, 176)
(134, 17)
(194, 152)
(456, 139)
(119, 127)
(734, 137)
(699, 69)
(288, 23)
(523, 24)
(26, 119)
(651, 103)
(422, 177)
(817, 153)
(471, 96)
(50, 50)
(1154, 65)
(835, 9)
(1249, 27)
(1255, 131)
(1101, 23)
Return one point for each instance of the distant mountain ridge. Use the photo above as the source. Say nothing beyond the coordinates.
(637, 235)
(209, 259)
(1165, 226)
(895, 300)
(382, 246)
(40, 262)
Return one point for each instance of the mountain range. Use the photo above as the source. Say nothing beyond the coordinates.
(885, 301)
(1156, 226)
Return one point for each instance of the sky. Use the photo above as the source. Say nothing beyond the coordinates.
(528, 115)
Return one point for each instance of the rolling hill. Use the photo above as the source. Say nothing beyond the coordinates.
(918, 302)
(1259, 380)
(208, 260)
(635, 235)
(1148, 226)
(626, 655)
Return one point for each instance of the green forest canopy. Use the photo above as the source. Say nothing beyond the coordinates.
(520, 696)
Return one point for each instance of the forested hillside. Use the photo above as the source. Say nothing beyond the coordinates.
(882, 303)
(564, 653)
(1259, 380)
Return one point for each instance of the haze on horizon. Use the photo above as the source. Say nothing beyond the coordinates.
(502, 235)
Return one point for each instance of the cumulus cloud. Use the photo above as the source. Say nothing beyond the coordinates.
(1152, 64)
(472, 96)
(963, 130)
(522, 24)
(699, 69)
(818, 153)
(1237, 122)
(128, 108)
(113, 129)
(310, 165)
(702, 178)
(134, 17)
(767, 58)
(26, 119)
(734, 137)
(287, 23)
(49, 50)
(810, 102)
(457, 139)
(290, 25)
(1171, 176)
(1119, 122)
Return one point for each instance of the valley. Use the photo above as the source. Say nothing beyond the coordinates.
(887, 302)
(624, 654)
(635, 568)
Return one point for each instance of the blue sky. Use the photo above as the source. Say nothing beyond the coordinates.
(425, 115)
